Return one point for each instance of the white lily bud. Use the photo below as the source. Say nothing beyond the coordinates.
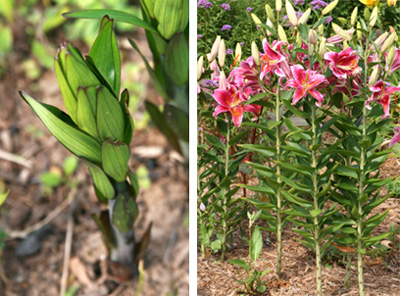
(270, 13)
(345, 44)
(389, 42)
(304, 18)
(256, 19)
(269, 24)
(312, 37)
(390, 57)
(330, 7)
(281, 33)
(214, 49)
(221, 54)
(222, 80)
(322, 48)
(354, 16)
(291, 13)
(374, 76)
(200, 67)
(374, 17)
(278, 5)
(342, 33)
(238, 52)
(255, 53)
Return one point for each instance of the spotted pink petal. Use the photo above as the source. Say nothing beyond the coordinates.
(220, 109)
(237, 115)
(317, 95)
(299, 93)
(223, 97)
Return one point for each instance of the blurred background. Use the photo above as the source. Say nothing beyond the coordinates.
(51, 200)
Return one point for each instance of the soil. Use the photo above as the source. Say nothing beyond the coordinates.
(164, 203)
(381, 273)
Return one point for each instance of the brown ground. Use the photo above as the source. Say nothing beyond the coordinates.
(381, 274)
(165, 203)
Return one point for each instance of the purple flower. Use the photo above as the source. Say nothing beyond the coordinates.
(241, 43)
(210, 83)
(229, 51)
(226, 28)
(249, 9)
(202, 207)
(298, 2)
(328, 20)
(199, 36)
(225, 6)
(318, 4)
(204, 4)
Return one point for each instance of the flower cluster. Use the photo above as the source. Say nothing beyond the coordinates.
(226, 27)
(256, 75)
(225, 6)
(204, 4)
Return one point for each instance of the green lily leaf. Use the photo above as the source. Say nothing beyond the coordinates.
(115, 156)
(163, 126)
(76, 141)
(101, 181)
(110, 116)
(85, 112)
(124, 102)
(105, 54)
(177, 59)
(124, 212)
(157, 83)
(114, 14)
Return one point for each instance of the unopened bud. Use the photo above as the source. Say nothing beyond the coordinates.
(200, 67)
(322, 48)
(379, 41)
(374, 76)
(221, 54)
(312, 37)
(374, 17)
(270, 13)
(291, 13)
(238, 52)
(389, 42)
(342, 20)
(321, 29)
(359, 32)
(342, 33)
(390, 57)
(304, 18)
(354, 16)
(345, 44)
(392, 30)
(282, 34)
(214, 49)
(367, 14)
(256, 19)
(222, 80)
(269, 24)
(298, 40)
(255, 53)
(278, 5)
(330, 7)
(391, 2)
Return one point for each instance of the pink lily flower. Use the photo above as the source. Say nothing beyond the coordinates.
(305, 83)
(231, 100)
(381, 94)
(343, 63)
(271, 58)
(396, 137)
(396, 61)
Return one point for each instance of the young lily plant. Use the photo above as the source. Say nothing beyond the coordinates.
(98, 129)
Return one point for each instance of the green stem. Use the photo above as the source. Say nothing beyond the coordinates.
(360, 204)
(224, 205)
(316, 207)
(278, 195)
(124, 251)
(348, 272)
